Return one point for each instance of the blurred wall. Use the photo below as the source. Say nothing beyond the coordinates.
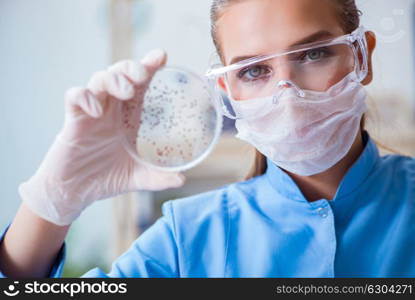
(181, 27)
(46, 47)
(393, 24)
(392, 92)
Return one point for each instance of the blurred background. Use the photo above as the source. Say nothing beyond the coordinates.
(48, 46)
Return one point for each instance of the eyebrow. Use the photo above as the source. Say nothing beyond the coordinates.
(317, 36)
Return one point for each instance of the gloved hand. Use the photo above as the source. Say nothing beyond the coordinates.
(87, 161)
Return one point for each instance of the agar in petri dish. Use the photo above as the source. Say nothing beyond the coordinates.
(179, 124)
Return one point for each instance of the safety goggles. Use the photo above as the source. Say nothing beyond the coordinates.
(308, 68)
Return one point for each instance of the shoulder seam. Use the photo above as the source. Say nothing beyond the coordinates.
(170, 204)
(228, 222)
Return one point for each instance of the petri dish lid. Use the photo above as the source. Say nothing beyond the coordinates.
(179, 124)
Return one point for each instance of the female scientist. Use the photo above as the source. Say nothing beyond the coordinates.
(320, 201)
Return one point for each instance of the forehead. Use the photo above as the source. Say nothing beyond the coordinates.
(256, 27)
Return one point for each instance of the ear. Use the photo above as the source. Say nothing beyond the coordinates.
(371, 45)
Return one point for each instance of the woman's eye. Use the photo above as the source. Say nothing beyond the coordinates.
(253, 73)
(315, 54)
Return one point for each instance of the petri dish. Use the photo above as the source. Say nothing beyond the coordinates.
(179, 123)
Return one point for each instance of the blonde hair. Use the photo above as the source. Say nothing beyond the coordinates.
(349, 16)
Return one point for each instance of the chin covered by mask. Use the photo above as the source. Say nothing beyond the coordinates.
(305, 135)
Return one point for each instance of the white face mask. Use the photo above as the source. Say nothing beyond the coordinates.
(305, 136)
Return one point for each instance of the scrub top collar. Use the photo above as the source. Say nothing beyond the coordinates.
(353, 179)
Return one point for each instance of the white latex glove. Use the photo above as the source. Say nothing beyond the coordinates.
(87, 161)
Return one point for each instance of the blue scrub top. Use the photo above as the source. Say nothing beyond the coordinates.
(264, 227)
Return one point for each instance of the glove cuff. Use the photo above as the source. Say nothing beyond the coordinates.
(47, 203)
